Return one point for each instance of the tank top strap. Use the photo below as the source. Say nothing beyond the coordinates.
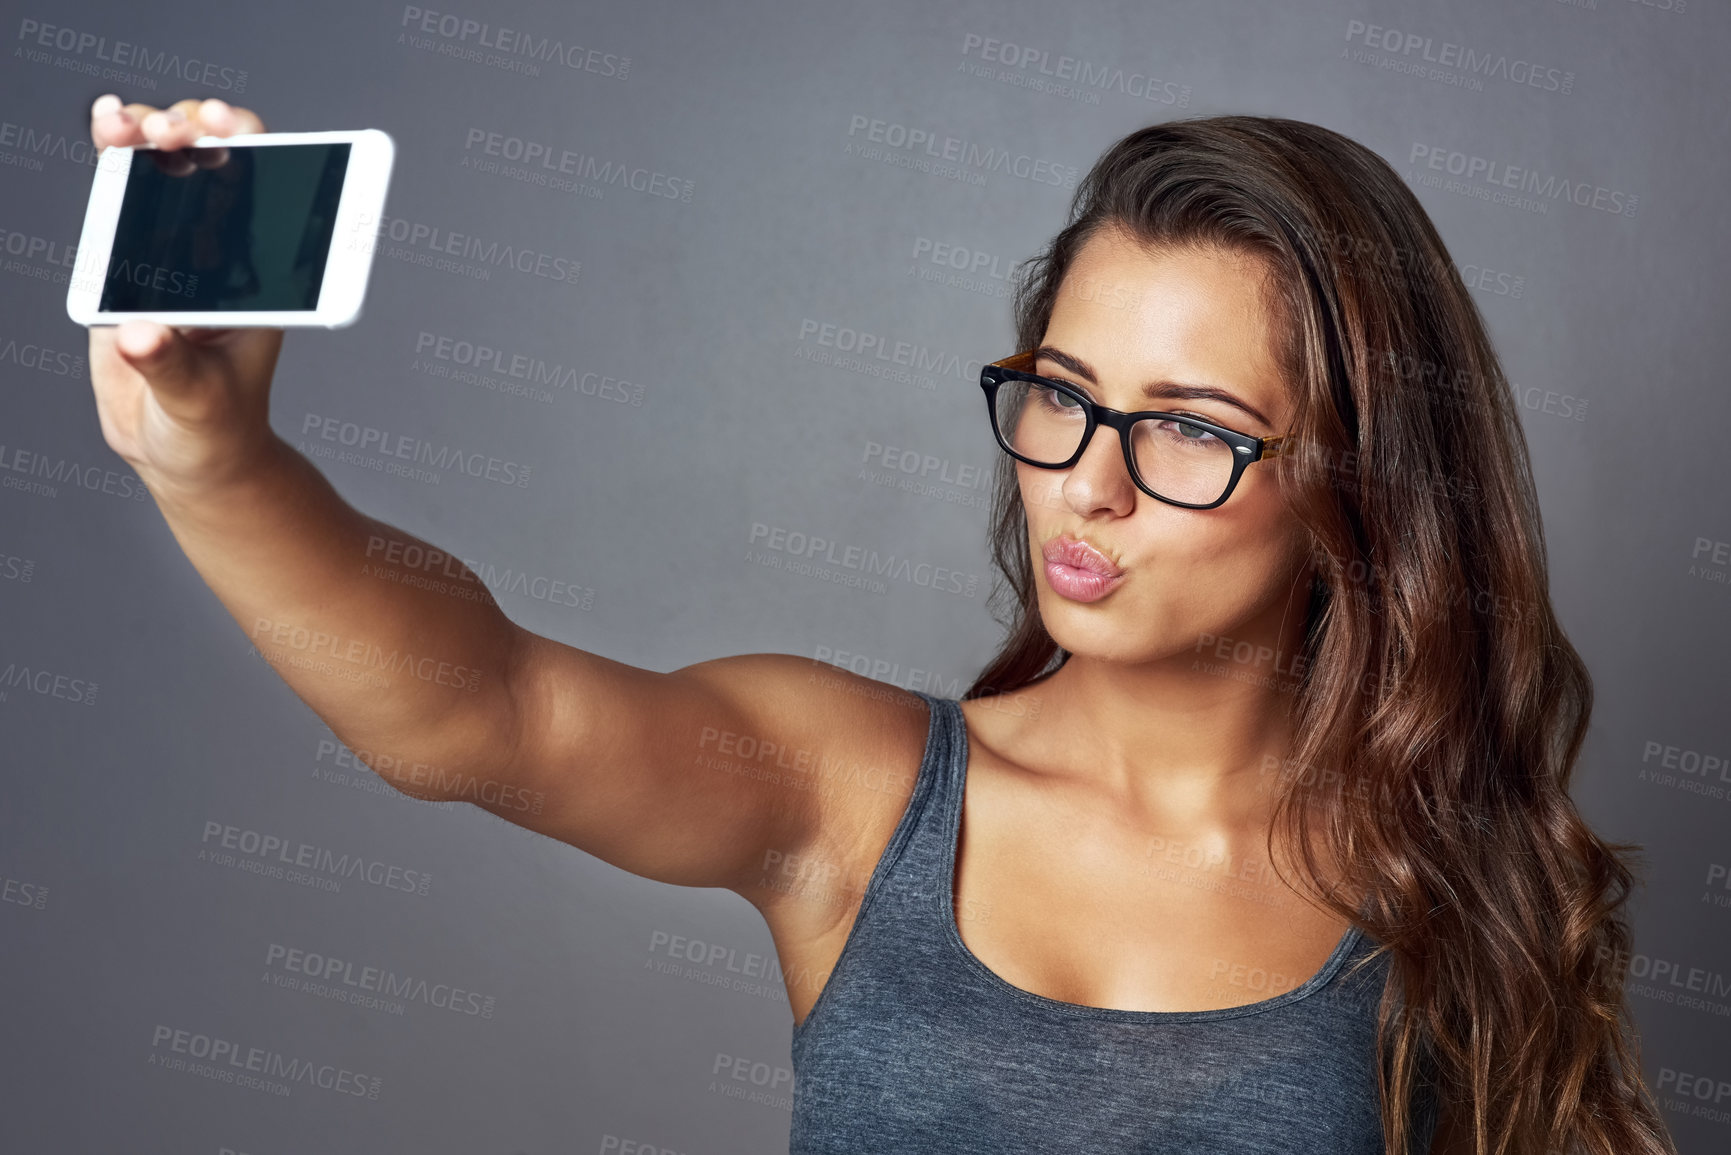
(905, 895)
(897, 930)
(945, 759)
(912, 866)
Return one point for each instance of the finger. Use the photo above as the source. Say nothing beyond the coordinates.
(221, 118)
(210, 117)
(173, 127)
(253, 353)
(114, 123)
(244, 120)
(164, 358)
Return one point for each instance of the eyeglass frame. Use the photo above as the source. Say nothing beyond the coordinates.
(1245, 447)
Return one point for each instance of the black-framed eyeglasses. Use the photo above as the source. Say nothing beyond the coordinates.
(1178, 458)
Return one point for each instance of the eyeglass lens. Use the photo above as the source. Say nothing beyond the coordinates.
(1175, 459)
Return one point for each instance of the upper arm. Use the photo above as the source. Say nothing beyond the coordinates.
(702, 776)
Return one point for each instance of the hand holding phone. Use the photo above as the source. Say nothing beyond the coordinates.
(186, 408)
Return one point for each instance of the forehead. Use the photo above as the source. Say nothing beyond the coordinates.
(1138, 314)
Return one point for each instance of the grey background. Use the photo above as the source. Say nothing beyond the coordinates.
(113, 927)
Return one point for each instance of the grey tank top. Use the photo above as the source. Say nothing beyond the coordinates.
(914, 1045)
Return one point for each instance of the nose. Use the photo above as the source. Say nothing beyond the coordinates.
(1100, 480)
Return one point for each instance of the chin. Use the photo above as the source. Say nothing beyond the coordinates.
(1089, 638)
(1112, 631)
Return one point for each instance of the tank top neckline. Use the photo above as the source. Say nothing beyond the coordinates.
(953, 768)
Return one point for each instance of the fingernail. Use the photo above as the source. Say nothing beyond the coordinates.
(154, 122)
(175, 115)
(105, 104)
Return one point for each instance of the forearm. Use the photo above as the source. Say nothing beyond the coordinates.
(400, 649)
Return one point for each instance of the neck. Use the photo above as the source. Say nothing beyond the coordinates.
(1169, 737)
(1198, 734)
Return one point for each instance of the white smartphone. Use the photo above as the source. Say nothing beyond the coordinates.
(262, 229)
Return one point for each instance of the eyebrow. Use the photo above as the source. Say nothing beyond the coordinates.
(1154, 390)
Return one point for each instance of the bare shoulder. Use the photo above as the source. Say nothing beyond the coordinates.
(848, 747)
(701, 776)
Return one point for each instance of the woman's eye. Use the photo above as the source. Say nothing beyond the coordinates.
(1192, 430)
(1187, 433)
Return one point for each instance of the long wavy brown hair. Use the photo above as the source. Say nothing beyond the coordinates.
(1437, 684)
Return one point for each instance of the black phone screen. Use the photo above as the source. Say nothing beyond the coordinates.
(236, 228)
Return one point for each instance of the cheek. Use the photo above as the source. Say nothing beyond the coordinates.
(1251, 559)
(1222, 557)
(1042, 495)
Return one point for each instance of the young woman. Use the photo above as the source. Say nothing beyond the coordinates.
(1255, 836)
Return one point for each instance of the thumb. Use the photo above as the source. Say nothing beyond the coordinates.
(163, 357)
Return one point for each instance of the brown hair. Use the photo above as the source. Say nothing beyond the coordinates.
(1439, 696)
